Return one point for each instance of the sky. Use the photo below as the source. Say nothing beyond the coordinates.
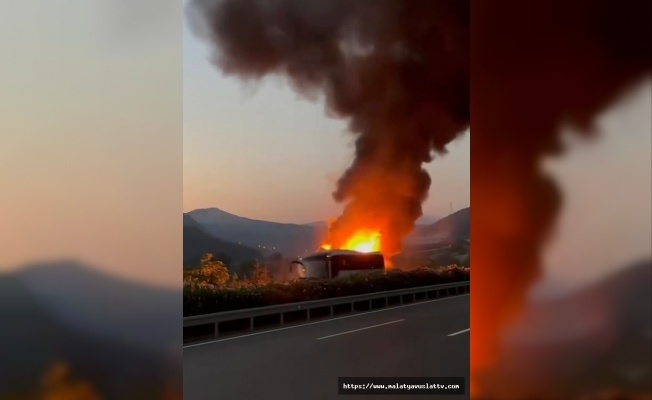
(90, 142)
(606, 219)
(263, 152)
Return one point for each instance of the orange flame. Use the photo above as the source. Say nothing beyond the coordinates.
(363, 240)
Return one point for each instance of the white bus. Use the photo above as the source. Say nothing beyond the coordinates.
(337, 263)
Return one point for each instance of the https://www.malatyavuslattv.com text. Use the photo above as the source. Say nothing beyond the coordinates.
(385, 385)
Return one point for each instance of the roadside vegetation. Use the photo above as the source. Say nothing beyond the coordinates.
(211, 288)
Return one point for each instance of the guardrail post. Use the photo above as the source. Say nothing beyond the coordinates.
(331, 309)
(282, 318)
(369, 304)
(251, 323)
(217, 330)
(308, 314)
(386, 302)
(414, 297)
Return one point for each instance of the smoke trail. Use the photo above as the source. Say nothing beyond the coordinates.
(536, 65)
(398, 71)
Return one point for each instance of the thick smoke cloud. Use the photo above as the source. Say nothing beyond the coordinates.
(398, 71)
(536, 65)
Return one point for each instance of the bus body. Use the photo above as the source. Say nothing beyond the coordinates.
(338, 263)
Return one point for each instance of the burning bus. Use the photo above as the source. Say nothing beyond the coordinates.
(338, 263)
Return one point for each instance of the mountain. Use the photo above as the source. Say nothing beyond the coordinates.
(96, 302)
(593, 338)
(423, 220)
(318, 224)
(288, 239)
(427, 220)
(190, 222)
(292, 239)
(120, 337)
(454, 227)
(197, 241)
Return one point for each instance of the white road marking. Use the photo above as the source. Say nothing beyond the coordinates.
(322, 321)
(361, 329)
(457, 333)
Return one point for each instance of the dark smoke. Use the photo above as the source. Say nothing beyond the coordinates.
(397, 70)
(536, 66)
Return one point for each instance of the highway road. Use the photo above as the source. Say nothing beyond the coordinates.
(426, 339)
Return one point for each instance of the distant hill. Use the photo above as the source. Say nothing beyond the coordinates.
(598, 335)
(190, 222)
(103, 304)
(427, 220)
(317, 224)
(423, 220)
(288, 239)
(65, 312)
(454, 227)
(197, 241)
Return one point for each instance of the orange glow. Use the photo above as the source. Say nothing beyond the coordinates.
(363, 240)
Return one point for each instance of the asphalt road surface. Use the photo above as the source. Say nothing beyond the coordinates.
(425, 339)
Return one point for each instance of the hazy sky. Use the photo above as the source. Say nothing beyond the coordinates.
(263, 152)
(90, 140)
(606, 219)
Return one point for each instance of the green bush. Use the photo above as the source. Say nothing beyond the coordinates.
(204, 299)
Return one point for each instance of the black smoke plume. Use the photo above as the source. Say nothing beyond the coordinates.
(536, 65)
(397, 70)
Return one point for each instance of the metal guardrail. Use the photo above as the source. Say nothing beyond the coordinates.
(209, 325)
